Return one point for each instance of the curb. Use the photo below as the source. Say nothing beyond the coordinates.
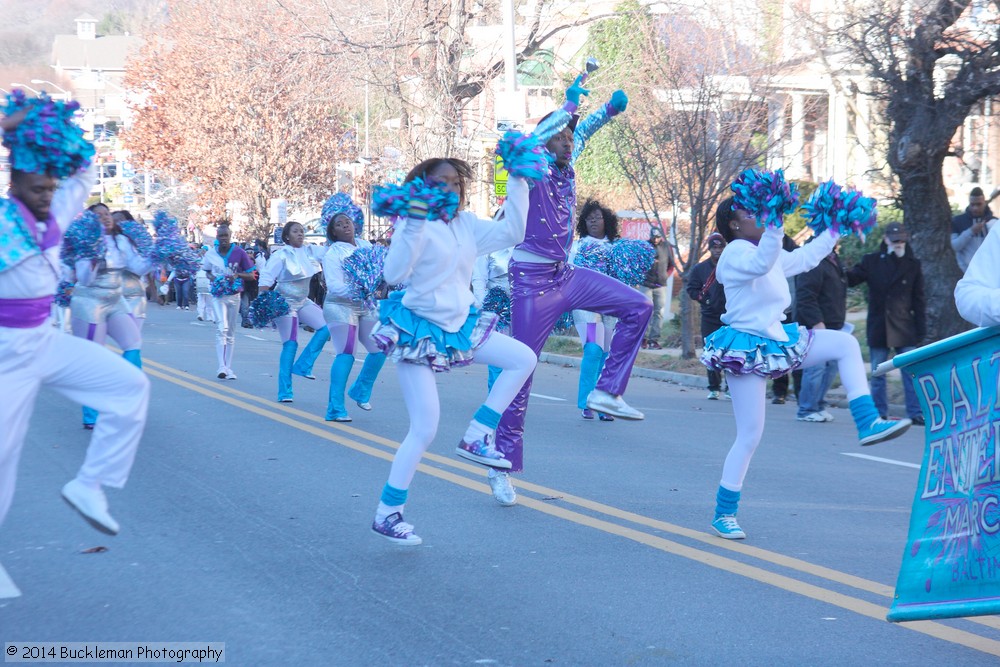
(699, 382)
(834, 397)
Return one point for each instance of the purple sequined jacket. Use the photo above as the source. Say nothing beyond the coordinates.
(552, 202)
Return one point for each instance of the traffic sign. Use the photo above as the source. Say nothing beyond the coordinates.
(500, 176)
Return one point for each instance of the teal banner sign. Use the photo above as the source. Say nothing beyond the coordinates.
(951, 566)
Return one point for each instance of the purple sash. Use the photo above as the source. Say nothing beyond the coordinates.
(24, 313)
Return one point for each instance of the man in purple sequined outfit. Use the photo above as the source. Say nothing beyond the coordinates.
(544, 286)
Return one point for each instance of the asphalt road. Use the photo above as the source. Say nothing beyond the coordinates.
(246, 521)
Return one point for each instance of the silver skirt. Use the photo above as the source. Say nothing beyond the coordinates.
(296, 293)
(102, 299)
(134, 293)
(346, 311)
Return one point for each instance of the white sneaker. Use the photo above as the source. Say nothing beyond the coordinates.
(221, 373)
(230, 375)
(826, 415)
(503, 490)
(713, 395)
(602, 401)
(91, 504)
(366, 406)
(814, 417)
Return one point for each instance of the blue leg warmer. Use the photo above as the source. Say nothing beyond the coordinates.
(590, 370)
(726, 501)
(361, 390)
(288, 349)
(304, 366)
(340, 370)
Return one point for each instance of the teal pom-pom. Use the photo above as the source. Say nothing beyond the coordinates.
(363, 269)
(592, 256)
(766, 195)
(84, 239)
(171, 248)
(630, 260)
(524, 155)
(64, 292)
(266, 308)
(842, 210)
(393, 201)
(498, 301)
(139, 235)
(226, 285)
(48, 140)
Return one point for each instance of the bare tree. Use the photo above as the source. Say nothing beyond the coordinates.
(695, 122)
(227, 102)
(931, 63)
(422, 61)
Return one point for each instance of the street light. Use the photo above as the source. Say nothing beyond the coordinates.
(62, 90)
(21, 85)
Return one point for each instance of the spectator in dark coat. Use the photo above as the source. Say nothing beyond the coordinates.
(969, 229)
(702, 287)
(820, 303)
(896, 309)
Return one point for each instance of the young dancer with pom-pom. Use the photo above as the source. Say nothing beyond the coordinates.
(544, 285)
(46, 147)
(226, 265)
(289, 270)
(434, 325)
(352, 268)
(753, 346)
(596, 229)
(98, 308)
(134, 285)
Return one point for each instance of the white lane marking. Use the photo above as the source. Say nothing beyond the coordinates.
(551, 398)
(7, 587)
(254, 337)
(881, 460)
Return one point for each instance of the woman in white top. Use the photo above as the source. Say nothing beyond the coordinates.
(435, 325)
(977, 294)
(597, 225)
(133, 285)
(98, 307)
(753, 345)
(348, 319)
(289, 270)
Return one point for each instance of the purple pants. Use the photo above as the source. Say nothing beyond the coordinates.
(540, 294)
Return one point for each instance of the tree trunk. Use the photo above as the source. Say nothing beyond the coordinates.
(927, 216)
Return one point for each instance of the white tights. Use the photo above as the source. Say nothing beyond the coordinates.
(516, 360)
(749, 394)
(345, 336)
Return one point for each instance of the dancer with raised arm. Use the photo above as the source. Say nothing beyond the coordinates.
(49, 184)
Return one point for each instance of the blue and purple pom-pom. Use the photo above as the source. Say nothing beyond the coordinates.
(393, 201)
(592, 256)
(48, 140)
(171, 248)
(64, 292)
(524, 156)
(498, 301)
(363, 269)
(766, 195)
(226, 285)
(84, 239)
(139, 235)
(630, 260)
(842, 210)
(342, 204)
(266, 308)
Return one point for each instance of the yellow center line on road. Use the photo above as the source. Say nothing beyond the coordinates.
(301, 420)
